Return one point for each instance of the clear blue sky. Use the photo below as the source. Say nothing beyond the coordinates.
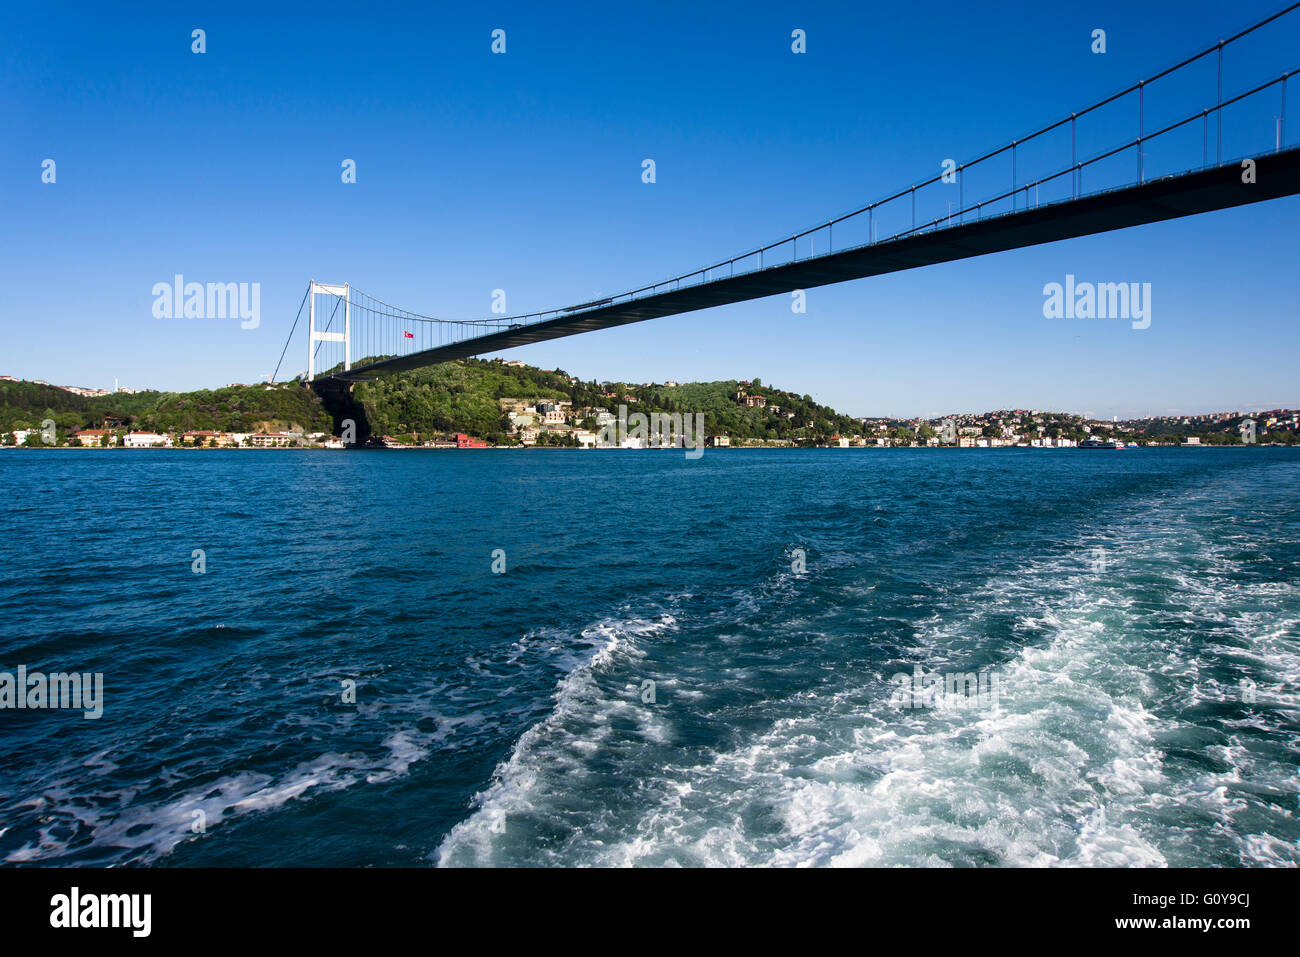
(523, 172)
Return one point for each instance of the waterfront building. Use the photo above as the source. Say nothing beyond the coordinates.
(279, 440)
(94, 438)
(204, 437)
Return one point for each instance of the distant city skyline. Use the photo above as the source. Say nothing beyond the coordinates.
(523, 172)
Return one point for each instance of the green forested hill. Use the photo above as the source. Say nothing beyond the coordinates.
(464, 396)
(241, 408)
(725, 416)
(461, 396)
(454, 397)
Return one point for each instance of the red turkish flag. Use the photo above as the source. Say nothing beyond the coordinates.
(407, 334)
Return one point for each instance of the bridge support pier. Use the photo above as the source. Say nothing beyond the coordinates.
(344, 408)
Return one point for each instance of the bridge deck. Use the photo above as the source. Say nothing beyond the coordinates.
(1186, 194)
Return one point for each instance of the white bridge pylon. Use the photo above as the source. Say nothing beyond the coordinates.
(314, 336)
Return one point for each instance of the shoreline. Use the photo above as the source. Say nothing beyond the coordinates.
(732, 448)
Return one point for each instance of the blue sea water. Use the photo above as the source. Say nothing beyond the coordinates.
(1140, 612)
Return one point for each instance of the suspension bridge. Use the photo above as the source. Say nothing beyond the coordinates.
(1172, 163)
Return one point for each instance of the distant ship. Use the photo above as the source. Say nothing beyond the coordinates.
(1101, 444)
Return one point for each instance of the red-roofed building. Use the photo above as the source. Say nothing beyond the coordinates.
(94, 437)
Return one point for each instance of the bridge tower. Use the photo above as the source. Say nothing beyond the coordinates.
(343, 292)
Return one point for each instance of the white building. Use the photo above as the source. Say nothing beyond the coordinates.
(147, 440)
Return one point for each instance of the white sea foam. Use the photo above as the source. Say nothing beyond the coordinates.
(550, 747)
(118, 820)
(1073, 768)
